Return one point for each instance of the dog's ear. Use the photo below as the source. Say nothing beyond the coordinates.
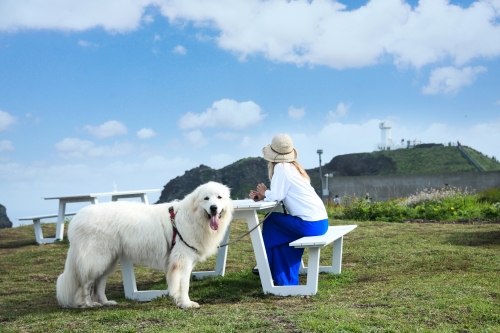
(192, 200)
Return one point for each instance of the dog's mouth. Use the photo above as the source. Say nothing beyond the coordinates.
(214, 220)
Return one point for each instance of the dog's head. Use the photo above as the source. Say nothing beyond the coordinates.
(213, 201)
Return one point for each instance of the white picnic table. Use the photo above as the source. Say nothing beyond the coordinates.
(92, 198)
(247, 210)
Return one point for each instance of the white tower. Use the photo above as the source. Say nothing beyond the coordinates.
(386, 138)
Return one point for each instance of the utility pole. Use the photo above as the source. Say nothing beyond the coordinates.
(320, 151)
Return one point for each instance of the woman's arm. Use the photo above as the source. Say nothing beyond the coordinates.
(279, 185)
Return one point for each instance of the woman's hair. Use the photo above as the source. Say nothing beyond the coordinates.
(300, 169)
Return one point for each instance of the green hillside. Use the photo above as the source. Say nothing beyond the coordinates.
(425, 160)
(488, 164)
(245, 174)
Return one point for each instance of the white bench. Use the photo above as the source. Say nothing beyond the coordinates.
(38, 226)
(334, 234)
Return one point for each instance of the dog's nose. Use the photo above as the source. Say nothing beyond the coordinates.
(213, 208)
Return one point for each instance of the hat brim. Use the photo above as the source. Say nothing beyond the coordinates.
(271, 156)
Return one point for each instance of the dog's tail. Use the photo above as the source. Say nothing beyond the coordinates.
(68, 285)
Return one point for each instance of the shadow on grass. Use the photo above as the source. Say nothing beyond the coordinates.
(474, 238)
(17, 243)
(231, 288)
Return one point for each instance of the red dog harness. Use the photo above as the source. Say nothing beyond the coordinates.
(176, 232)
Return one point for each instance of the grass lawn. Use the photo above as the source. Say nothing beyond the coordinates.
(396, 278)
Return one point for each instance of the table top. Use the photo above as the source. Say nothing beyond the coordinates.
(94, 195)
(250, 204)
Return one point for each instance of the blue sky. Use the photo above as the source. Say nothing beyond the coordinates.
(137, 92)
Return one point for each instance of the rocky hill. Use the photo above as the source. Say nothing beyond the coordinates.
(240, 176)
(245, 174)
(5, 222)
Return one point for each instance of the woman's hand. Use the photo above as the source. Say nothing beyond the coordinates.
(261, 188)
(256, 196)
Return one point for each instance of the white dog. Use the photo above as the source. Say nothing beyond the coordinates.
(101, 234)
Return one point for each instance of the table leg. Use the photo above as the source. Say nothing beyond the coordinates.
(220, 265)
(337, 255)
(265, 272)
(60, 220)
(130, 285)
(259, 250)
(38, 230)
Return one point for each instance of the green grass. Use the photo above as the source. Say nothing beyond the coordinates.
(428, 160)
(486, 162)
(410, 277)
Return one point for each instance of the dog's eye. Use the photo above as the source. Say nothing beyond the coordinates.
(206, 198)
(219, 197)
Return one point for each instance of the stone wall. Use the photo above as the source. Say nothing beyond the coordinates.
(382, 188)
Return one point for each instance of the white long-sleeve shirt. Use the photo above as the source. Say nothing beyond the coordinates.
(296, 192)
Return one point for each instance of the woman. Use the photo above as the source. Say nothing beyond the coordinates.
(306, 212)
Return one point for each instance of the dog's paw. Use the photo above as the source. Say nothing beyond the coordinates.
(91, 305)
(189, 304)
(109, 303)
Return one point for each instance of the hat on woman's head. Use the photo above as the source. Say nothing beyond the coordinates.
(280, 150)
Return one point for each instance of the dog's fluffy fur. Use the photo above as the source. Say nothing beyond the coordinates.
(101, 234)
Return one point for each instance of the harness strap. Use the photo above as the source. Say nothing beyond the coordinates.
(176, 231)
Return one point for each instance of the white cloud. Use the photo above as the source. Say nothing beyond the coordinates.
(340, 138)
(146, 133)
(33, 181)
(35, 120)
(106, 130)
(318, 32)
(451, 79)
(296, 114)
(498, 102)
(74, 148)
(340, 111)
(483, 137)
(219, 161)
(6, 145)
(148, 18)
(196, 138)
(179, 49)
(325, 33)
(6, 120)
(224, 113)
(72, 15)
(156, 38)
(84, 43)
(227, 136)
(159, 163)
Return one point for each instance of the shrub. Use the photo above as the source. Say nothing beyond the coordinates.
(444, 204)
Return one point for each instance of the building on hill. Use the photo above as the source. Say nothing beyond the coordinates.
(386, 142)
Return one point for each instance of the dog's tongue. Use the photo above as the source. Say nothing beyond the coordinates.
(214, 222)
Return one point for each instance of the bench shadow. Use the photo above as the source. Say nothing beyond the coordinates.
(474, 238)
(17, 244)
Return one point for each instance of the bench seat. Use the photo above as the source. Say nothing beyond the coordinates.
(334, 234)
(38, 226)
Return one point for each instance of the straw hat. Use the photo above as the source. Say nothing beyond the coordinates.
(280, 150)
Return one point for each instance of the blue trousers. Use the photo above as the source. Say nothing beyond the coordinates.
(284, 260)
